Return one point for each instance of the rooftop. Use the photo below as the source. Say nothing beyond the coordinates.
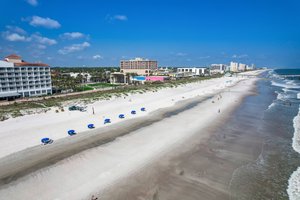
(17, 61)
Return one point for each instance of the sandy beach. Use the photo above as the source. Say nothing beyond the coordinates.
(136, 158)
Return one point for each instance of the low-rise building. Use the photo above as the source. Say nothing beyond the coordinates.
(25, 79)
(86, 77)
(195, 71)
(157, 78)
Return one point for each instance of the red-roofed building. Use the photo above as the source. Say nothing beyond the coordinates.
(25, 79)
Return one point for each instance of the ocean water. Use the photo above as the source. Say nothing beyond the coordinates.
(288, 83)
(276, 172)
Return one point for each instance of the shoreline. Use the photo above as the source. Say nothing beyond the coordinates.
(169, 174)
(293, 183)
(178, 135)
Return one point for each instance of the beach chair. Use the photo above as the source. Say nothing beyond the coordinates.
(90, 126)
(143, 109)
(46, 141)
(121, 116)
(133, 112)
(71, 132)
(107, 121)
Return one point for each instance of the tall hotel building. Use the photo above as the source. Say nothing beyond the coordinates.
(138, 66)
(20, 78)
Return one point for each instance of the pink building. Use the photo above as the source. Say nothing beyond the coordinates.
(156, 78)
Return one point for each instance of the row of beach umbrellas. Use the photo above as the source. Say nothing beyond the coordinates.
(90, 126)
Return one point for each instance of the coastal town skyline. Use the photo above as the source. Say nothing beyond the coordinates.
(175, 33)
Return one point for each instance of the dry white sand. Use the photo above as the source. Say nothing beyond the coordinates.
(87, 173)
(19, 133)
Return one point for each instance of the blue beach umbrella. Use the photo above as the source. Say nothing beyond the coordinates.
(121, 116)
(107, 121)
(90, 126)
(143, 109)
(71, 132)
(133, 112)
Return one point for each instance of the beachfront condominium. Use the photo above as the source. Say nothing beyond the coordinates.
(138, 66)
(217, 68)
(242, 67)
(25, 79)
(234, 67)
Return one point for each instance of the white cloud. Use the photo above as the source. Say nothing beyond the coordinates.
(204, 57)
(116, 17)
(41, 46)
(32, 2)
(43, 40)
(181, 54)
(97, 57)
(240, 56)
(73, 48)
(44, 22)
(13, 37)
(16, 29)
(72, 35)
(121, 17)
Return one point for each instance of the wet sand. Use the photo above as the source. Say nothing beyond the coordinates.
(201, 168)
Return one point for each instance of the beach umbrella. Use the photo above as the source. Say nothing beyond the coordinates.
(90, 126)
(71, 132)
(133, 112)
(46, 140)
(121, 116)
(107, 121)
(143, 109)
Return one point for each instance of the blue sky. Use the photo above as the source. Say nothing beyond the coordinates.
(176, 33)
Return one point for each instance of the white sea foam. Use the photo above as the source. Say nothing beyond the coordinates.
(290, 82)
(280, 95)
(294, 181)
(294, 185)
(271, 106)
(283, 95)
(285, 85)
(296, 138)
(298, 95)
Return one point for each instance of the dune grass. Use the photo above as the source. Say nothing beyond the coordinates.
(15, 110)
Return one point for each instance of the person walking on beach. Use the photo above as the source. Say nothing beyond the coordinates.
(93, 110)
(219, 110)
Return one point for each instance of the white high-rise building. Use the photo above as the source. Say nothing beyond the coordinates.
(217, 68)
(234, 66)
(242, 67)
(20, 78)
